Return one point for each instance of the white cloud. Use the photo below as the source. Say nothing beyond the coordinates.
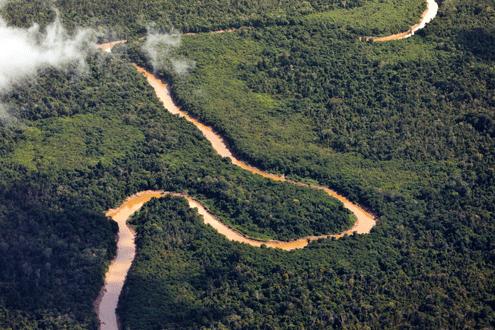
(24, 51)
(182, 66)
(4, 114)
(159, 48)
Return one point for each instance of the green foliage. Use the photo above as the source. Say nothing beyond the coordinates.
(53, 253)
(134, 17)
(10, 320)
(66, 163)
(112, 17)
(75, 142)
(374, 17)
(405, 128)
(186, 276)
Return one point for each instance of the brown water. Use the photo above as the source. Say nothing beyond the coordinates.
(364, 220)
(126, 250)
(107, 47)
(213, 32)
(428, 15)
(107, 301)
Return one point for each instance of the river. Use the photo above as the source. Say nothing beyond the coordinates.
(107, 301)
(428, 15)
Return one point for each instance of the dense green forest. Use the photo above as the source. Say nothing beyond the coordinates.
(124, 19)
(76, 145)
(405, 128)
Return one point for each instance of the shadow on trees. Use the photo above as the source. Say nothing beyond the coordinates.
(38, 242)
(479, 42)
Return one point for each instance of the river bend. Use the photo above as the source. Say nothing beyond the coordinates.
(107, 301)
(428, 15)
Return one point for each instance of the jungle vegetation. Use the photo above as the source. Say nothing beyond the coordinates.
(74, 147)
(405, 128)
(117, 19)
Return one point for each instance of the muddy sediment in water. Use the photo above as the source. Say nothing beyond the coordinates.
(107, 301)
(364, 219)
(115, 277)
(126, 250)
(428, 15)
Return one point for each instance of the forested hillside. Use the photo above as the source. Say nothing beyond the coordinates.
(404, 128)
(118, 18)
(77, 144)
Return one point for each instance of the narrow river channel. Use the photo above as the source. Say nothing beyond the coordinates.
(107, 301)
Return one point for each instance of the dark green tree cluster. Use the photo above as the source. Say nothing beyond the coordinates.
(52, 254)
(131, 18)
(428, 108)
(186, 276)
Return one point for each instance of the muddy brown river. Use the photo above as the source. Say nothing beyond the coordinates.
(428, 15)
(364, 220)
(107, 301)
